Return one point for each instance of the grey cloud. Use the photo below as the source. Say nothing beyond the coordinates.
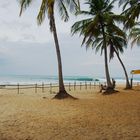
(28, 37)
(5, 4)
(4, 38)
(15, 25)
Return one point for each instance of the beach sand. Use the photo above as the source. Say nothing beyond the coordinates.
(35, 116)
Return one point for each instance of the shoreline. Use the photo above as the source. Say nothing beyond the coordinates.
(39, 79)
(53, 88)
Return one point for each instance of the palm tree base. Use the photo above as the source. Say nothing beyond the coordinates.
(63, 95)
(128, 87)
(109, 91)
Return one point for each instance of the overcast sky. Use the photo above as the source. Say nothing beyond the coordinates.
(26, 48)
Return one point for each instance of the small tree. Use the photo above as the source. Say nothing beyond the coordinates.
(116, 41)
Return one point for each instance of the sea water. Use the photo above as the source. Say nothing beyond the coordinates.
(32, 79)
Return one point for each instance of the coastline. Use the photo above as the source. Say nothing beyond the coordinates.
(53, 87)
(47, 79)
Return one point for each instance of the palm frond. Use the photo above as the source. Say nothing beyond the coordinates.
(45, 7)
(110, 6)
(63, 5)
(62, 10)
(131, 12)
(24, 4)
(135, 36)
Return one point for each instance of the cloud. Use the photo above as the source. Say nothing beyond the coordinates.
(26, 48)
(5, 4)
(15, 24)
(28, 37)
(13, 28)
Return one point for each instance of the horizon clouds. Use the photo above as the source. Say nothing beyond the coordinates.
(26, 48)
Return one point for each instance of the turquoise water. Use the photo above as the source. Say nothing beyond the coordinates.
(32, 79)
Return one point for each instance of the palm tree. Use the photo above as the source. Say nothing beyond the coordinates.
(131, 10)
(94, 28)
(47, 7)
(116, 40)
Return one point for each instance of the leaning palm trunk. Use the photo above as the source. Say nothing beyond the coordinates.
(62, 92)
(109, 84)
(128, 86)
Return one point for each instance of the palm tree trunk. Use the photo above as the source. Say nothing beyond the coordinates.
(62, 92)
(109, 84)
(128, 86)
(60, 74)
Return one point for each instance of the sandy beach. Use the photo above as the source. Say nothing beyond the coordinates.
(30, 116)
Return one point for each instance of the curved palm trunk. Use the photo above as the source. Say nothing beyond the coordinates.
(128, 86)
(61, 84)
(62, 92)
(109, 84)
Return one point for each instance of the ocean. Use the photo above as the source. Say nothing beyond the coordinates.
(32, 79)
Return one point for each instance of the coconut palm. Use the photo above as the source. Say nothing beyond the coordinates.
(131, 10)
(117, 41)
(94, 28)
(48, 8)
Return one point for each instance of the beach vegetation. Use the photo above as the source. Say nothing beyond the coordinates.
(94, 29)
(131, 11)
(117, 41)
(134, 35)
